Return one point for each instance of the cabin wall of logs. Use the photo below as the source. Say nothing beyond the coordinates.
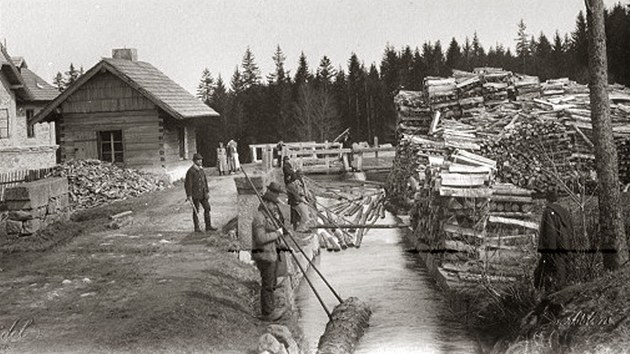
(473, 152)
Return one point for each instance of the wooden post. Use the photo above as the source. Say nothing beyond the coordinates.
(253, 151)
(326, 156)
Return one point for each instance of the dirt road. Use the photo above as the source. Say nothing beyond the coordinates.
(151, 286)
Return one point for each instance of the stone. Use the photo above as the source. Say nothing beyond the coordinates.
(20, 215)
(269, 343)
(13, 227)
(284, 336)
(30, 227)
(37, 193)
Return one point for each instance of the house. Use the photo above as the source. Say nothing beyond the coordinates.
(128, 112)
(24, 144)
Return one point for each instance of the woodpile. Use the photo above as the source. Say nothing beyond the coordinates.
(357, 207)
(94, 182)
(623, 154)
(539, 133)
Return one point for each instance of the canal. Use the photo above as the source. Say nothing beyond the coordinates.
(409, 312)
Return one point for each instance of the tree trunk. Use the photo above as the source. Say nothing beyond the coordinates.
(613, 239)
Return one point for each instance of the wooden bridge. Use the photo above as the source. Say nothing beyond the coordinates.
(326, 157)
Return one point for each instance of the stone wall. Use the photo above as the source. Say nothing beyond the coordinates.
(33, 205)
(27, 157)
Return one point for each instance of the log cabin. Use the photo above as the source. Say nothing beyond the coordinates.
(129, 113)
(23, 144)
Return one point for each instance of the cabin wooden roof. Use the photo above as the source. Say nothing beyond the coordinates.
(39, 89)
(148, 81)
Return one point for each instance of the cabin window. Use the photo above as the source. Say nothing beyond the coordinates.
(4, 123)
(30, 127)
(110, 145)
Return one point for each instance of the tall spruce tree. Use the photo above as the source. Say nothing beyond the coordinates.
(325, 72)
(579, 49)
(279, 74)
(522, 47)
(454, 55)
(236, 83)
(614, 244)
(59, 82)
(303, 73)
(389, 70)
(251, 74)
(206, 86)
(71, 76)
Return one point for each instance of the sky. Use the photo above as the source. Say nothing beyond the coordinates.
(183, 37)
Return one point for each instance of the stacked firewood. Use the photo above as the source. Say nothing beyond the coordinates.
(93, 182)
(414, 117)
(623, 154)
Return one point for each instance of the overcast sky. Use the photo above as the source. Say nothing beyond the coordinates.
(182, 37)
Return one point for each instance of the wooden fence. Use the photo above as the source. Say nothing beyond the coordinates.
(13, 178)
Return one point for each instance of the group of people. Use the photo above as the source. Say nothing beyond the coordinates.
(227, 158)
(268, 228)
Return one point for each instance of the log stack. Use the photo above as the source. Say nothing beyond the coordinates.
(94, 182)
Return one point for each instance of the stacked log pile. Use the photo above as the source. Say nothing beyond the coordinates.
(94, 182)
(413, 114)
(494, 140)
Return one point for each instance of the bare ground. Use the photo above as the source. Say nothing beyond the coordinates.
(151, 286)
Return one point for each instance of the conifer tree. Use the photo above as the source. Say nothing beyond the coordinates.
(251, 74)
(522, 46)
(206, 87)
(389, 70)
(279, 75)
(302, 74)
(325, 72)
(236, 84)
(71, 76)
(454, 55)
(59, 82)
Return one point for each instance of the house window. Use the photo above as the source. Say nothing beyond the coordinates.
(110, 146)
(4, 123)
(30, 127)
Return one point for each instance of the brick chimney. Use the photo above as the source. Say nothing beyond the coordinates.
(125, 53)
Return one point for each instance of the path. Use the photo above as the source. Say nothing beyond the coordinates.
(152, 286)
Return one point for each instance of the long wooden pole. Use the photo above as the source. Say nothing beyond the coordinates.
(360, 226)
(297, 245)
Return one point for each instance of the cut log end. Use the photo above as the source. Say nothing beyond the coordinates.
(348, 323)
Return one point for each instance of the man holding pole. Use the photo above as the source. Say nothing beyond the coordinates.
(197, 193)
(266, 235)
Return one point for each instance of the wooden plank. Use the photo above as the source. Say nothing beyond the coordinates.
(465, 192)
(511, 198)
(463, 180)
(509, 221)
(481, 159)
(459, 168)
(458, 230)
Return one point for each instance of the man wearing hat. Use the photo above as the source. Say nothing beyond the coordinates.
(266, 233)
(287, 170)
(196, 186)
(298, 200)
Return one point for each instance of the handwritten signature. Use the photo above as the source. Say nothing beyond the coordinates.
(16, 331)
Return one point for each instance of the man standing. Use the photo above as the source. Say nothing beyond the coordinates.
(287, 170)
(556, 231)
(197, 192)
(298, 199)
(266, 233)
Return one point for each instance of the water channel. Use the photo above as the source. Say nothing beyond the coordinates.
(409, 313)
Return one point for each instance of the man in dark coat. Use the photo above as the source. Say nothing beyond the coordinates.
(266, 235)
(556, 232)
(298, 200)
(196, 185)
(287, 170)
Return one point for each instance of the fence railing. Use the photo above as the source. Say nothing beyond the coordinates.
(312, 156)
(13, 178)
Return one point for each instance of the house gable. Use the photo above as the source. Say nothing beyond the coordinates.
(105, 92)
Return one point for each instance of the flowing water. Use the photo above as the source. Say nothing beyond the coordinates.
(409, 313)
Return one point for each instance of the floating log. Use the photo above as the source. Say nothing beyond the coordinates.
(348, 323)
